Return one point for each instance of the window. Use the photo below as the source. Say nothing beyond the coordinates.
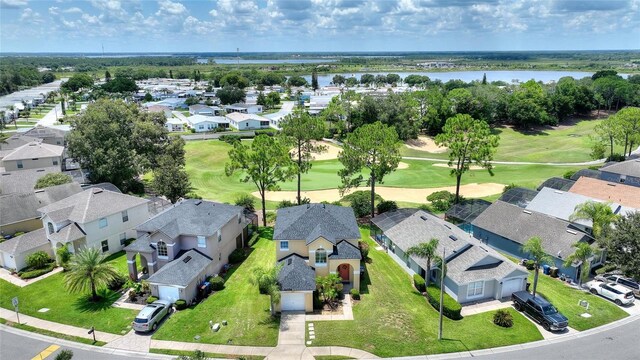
(123, 238)
(125, 216)
(202, 242)
(105, 246)
(321, 257)
(475, 289)
(55, 161)
(103, 223)
(162, 249)
(19, 164)
(284, 246)
(50, 227)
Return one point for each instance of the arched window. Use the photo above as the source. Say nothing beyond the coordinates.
(162, 249)
(51, 229)
(321, 257)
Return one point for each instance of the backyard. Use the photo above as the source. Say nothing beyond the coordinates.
(70, 309)
(240, 304)
(393, 319)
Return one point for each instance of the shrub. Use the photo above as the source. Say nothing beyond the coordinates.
(419, 283)
(30, 274)
(607, 268)
(530, 264)
(509, 187)
(355, 294)
(285, 204)
(151, 299)
(615, 157)
(38, 260)
(193, 131)
(247, 201)
(569, 174)
(237, 256)
(441, 200)
(52, 179)
(269, 132)
(360, 202)
(232, 138)
(317, 301)
(132, 295)
(217, 283)
(181, 304)
(65, 354)
(364, 249)
(503, 318)
(386, 205)
(450, 308)
(118, 282)
(425, 207)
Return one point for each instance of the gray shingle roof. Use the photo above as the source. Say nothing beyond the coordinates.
(480, 262)
(386, 221)
(182, 271)
(25, 242)
(90, 205)
(16, 141)
(516, 224)
(23, 181)
(308, 222)
(629, 168)
(141, 244)
(296, 275)
(345, 250)
(46, 132)
(192, 217)
(24, 206)
(34, 149)
(69, 233)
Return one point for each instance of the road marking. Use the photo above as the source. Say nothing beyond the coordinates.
(46, 352)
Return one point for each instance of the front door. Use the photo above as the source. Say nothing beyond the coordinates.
(344, 272)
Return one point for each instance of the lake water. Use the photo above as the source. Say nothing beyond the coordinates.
(265, 61)
(468, 76)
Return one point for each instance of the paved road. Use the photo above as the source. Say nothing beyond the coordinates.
(286, 109)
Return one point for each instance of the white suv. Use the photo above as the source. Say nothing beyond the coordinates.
(614, 292)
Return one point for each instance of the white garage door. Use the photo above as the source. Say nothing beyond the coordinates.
(292, 302)
(168, 293)
(510, 286)
(8, 261)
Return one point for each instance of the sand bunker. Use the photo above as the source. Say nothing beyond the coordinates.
(390, 193)
(331, 153)
(472, 167)
(425, 143)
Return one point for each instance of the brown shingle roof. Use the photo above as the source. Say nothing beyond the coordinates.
(604, 190)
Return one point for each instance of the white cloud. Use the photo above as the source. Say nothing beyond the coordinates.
(168, 7)
(13, 4)
(73, 10)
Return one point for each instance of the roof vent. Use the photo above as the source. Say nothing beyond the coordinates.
(39, 191)
(572, 232)
(97, 190)
(447, 226)
(484, 249)
(610, 184)
(423, 217)
(289, 261)
(526, 212)
(40, 170)
(558, 192)
(5, 174)
(453, 237)
(198, 202)
(187, 259)
(308, 206)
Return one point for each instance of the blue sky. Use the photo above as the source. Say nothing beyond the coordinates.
(317, 25)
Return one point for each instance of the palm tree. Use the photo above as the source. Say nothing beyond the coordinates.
(600, 214)
(533, 247)
(89, 271)
(426, 251)
(267, 281)
(582, 255)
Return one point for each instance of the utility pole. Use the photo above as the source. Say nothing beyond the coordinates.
(441, 291)
(238, 56)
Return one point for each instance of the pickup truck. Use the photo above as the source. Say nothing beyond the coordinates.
(540, 310)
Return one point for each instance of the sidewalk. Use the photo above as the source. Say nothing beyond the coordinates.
(59, 328)
(6, 276)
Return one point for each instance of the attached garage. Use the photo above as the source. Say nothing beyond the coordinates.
(509, 286)
(169, 293)
(293, 301)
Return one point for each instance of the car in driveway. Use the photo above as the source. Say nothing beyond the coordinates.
(541, 310)
(619, 279)
(150, 316)
(614, 292)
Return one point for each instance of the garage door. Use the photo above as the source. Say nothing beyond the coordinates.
(8, 261)
(510, 286)
(292, 302)
(168, 293)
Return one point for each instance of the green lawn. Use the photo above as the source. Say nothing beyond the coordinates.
(206, 160)
(240, 303)
(393, 319)
(70, 309)
(51, 333)
(565, 144)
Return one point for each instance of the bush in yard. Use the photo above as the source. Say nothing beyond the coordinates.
(509, 187)
(503, 318)
(181, 304)
(247, 201)
(269, 132)
(117, 282)
(441, 200)
(151, 299)
(65, 354)
(217, 283)
(38, 260)
(419, 283)
(364, 249)
(615, 157)
(360, 202)
(355, 294)
(426, 207)
(530, 264)
(237, 256)
(606, 269)
(30, 274)
(285, 204)
(386, 205)
(569, 174)
(450, 308)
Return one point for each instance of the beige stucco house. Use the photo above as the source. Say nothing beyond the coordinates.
(33, 155)
(314, 240)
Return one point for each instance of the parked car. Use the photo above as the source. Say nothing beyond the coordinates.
(614, 292)
(541, 310)
(151, 315)
(619, 279)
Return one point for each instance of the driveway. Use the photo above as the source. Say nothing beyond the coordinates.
(286, 109)
(51, 118)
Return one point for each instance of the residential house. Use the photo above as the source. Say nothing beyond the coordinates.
(20, 210)
(14, 252)
(34, 155)
(507, 227)
(314, 240)
(200, 109)
(243, 121)
(615, 192)
(243, 108)
(174, 124)
(627, 172)
(202, 123)
(474, 271)
(23, 181)
(49, 135)
(160, 109)
(183, 245)
(96, 218)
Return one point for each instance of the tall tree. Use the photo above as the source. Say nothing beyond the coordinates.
(582, 257)
(89, 272)
(265, 162)
(170, 179)
(623, 245)
(426, 251)
(230, 95)
(302, 131)
(600, 215)
(469, 142)
(533, 247)
(375, 147)
(629, 125)
(314, 80)
(608, 130)
(107, 76)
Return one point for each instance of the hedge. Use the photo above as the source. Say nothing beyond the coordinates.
(151, 299)
(269, 132)
(37, 272)
(217, 283)
(450, 309)
(181, 304)
(419, 283)
(229, 138)
(355, 294)
(236, 256)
